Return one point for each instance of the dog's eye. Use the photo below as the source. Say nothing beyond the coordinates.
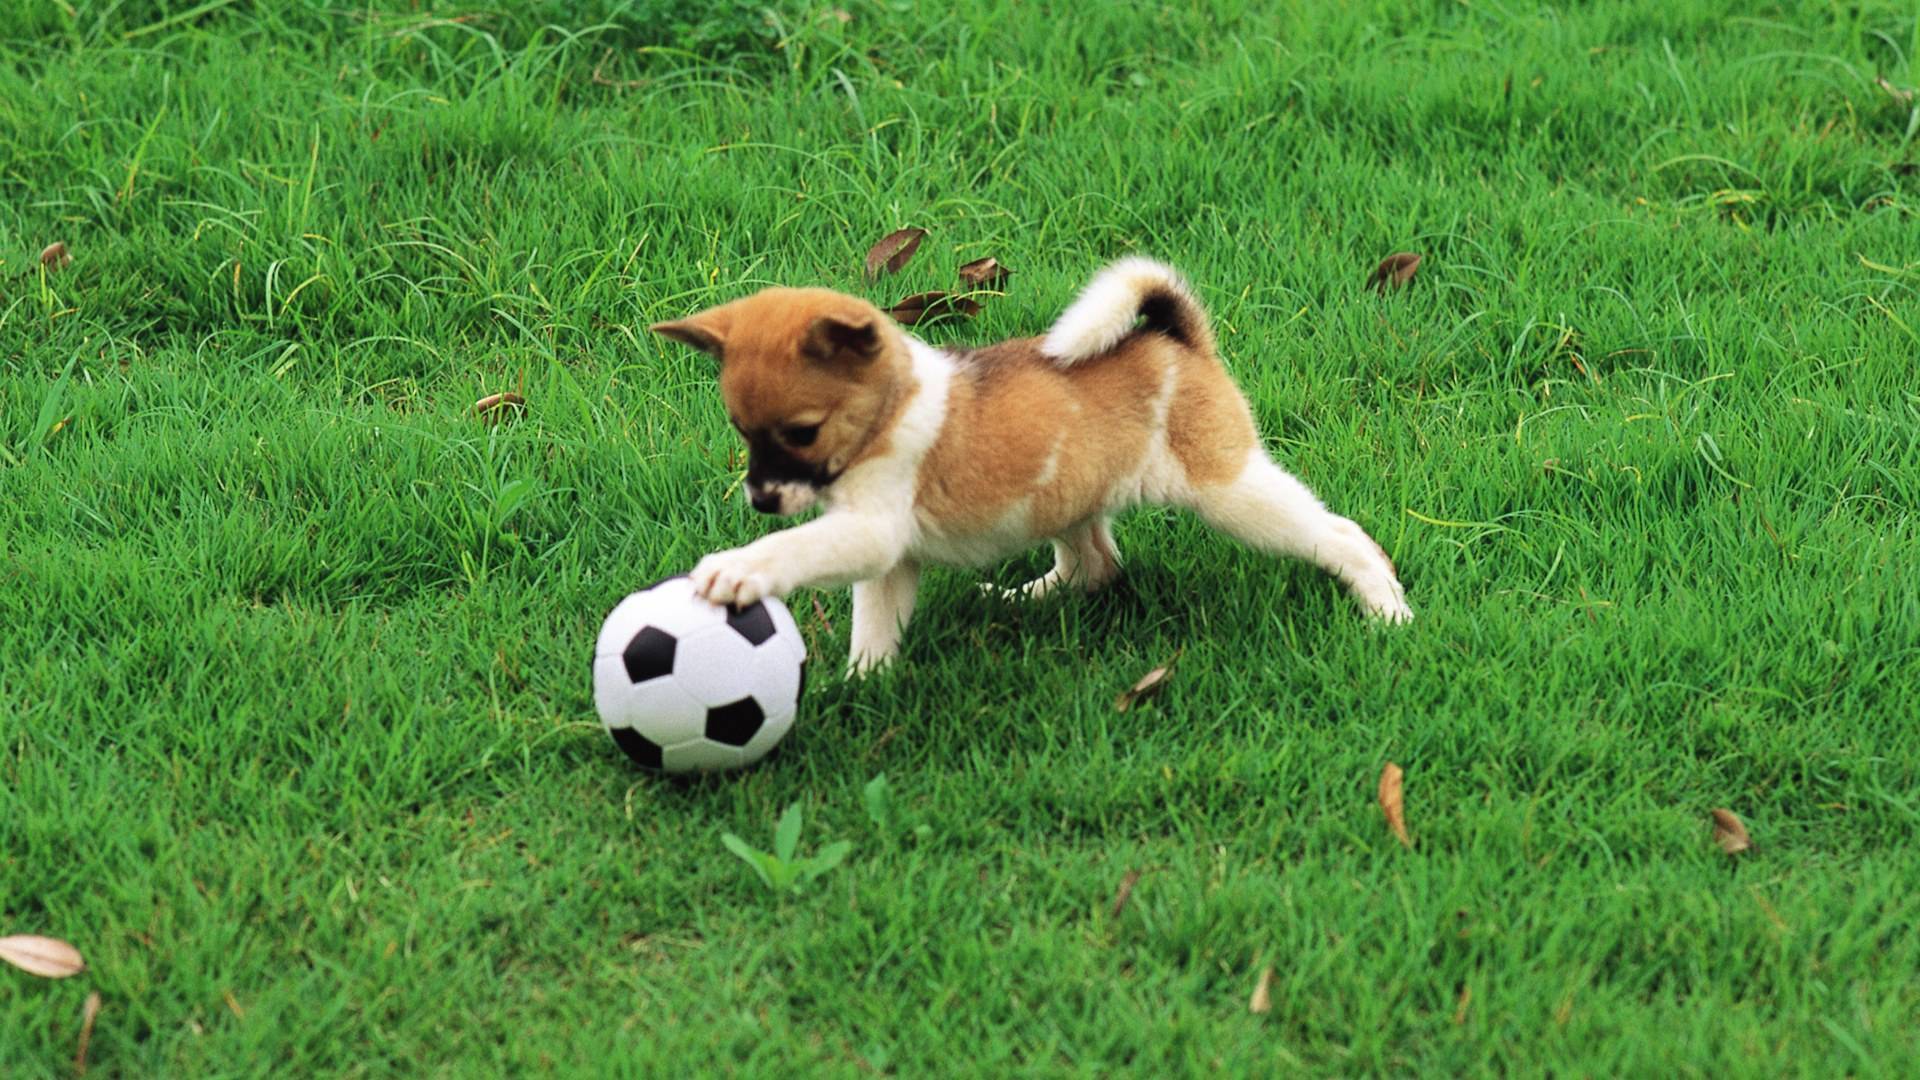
(800, 435)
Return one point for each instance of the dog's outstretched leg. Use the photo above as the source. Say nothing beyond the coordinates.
(1268, 508)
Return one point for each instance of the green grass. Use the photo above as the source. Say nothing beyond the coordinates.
(296, 733)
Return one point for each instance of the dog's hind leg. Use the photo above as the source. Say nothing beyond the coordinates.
(1268, 508)
(1084, 557)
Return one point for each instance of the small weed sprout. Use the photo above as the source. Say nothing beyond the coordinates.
(782, 870)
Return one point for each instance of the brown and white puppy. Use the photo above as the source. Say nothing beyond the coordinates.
(919, 455)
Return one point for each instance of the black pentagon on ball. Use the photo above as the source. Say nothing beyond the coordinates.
(644, 751)
(649, 655)
(735, 724)
(753, 622)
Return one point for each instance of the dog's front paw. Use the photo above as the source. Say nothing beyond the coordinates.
(869, 662)
(734, 577)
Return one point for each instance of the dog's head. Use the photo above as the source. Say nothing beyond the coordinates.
(808, 378)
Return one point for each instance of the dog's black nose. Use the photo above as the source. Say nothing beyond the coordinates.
(766, 500)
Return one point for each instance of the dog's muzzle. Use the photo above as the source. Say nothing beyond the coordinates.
(781, 497)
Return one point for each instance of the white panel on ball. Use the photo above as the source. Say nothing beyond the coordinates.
(786, 631)
(624, 621)
(776, 680)
(670, 606)
(660, 709)
(699, 756)
(714, 666)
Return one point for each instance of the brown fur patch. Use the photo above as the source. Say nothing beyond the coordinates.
(1210, 428)
(1011, 412)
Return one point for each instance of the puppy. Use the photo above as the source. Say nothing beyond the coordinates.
(919, 455)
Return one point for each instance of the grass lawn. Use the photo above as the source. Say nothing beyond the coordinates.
(297, 741)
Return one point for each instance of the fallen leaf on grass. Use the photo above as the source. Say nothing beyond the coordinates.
(1460, 1010)
(985, 272)
(1125, 892)
(1262, 992)
(42, 956)
(1392, 804)
(600, 79)
(1730, 833)
(1394, 272)
(880, 743)
(1146, 686)
(893, 251)
(55, 256)
(88, 1013)
(492, 402)
(932, 307)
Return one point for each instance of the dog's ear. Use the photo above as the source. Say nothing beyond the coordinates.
(705, 330)
(841, 339)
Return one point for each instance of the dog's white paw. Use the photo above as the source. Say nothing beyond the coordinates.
(733, 577)
(1384, 599)
(862, 664)
(1032, 592)
(996, 592)
(1396, 613)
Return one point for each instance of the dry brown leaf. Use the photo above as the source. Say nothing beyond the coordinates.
(1730, 833)
(880, 743)
(1394, 272)
(55, 256)
(1392, 803)
(88, 1014)
(492, 402)
(1146, 686)
(600, 79)
(1460, 1010)
(43, 956)
(1125, 892)
(1262, 992)
(928, 308)
(893, 251)
(985, 272)
(1901, 94)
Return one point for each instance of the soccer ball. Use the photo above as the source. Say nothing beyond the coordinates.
(684, 685)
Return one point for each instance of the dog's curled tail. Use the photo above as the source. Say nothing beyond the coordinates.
(1135, 293)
